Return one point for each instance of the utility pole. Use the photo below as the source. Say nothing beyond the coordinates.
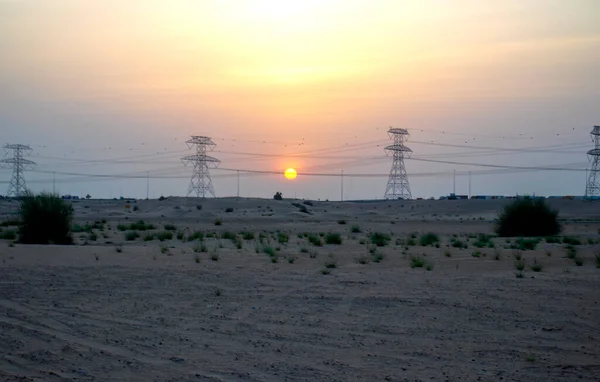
(238, 179)
(147, 185)
(454, 187)
(397, 186)
(342, 192)
(54, 182)
(469, 184)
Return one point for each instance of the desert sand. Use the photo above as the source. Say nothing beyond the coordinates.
(115, 310)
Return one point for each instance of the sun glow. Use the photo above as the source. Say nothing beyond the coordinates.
(290, 173)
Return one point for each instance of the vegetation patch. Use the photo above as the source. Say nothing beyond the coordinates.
(380, 239)
(417, 262)
(528, 217)
(333, 238)
(526, 244)
(484, 241)
(429, 239)
(45, 219)
(571, 240)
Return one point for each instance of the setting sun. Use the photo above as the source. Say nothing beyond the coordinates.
(290, 173)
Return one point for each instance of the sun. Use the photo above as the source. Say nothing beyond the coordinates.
(290, 173)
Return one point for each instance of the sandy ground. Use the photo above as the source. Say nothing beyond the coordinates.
(158, 311)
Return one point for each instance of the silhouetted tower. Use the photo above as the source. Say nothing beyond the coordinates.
(592, 188)
(17, 186)
(201, 184)
(397, 186)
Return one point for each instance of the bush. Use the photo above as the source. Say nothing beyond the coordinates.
(170, 227)
(457, 243)
(341, 222)
(8, 235)
(417, 262)
(45, 219)
(229, 209)
(282, 237)
(355, 229)
(527, 244)
(333, 238)
(571, 240)
(131, 235)
(380, 239)
(429, 239)
(528, 217)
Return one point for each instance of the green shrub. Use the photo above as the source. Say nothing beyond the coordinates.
(355, 229)
(341, 221)
(248, 235)
(528, 217)
(571, 240)
(198, 235)
(315, 240)
(269, 251)
(11, 222)
(333, 238)
(149, 237)
(164, 235)
(218, 221)
(8, 235)
(457, 243)
(553, 240)
(429, 239)
(526, 244)
(597, 260)
(228, 236)
(484, 240)
(519, 265)
(380, 239)
(45, 218)
(417, 262)
(536, 267)
(282, 237)
(131, 235)
(170, 227)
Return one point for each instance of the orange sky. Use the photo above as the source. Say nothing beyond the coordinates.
(288, 70)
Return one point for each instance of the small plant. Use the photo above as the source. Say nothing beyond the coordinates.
(355, 229)
(517, 255)
(119, 248)
(380, 239)
(578, 261)
(526, 244)
(149, 237)
(571, 240)
(248, 235)
(519, 265)
(269, 251)
(303, 250)
(198, 207)
(377, 257)
(170, 227)
(536, 267)
(229, 209)
(228, 236)
(417, 262)
(197, 259)
(429, 239)
(341, 222)
(331, 262)
(218, 221)
(200, 248)
(291, 259)
(447, 254)
(363, 260)
(325, 271)
(282, 237)
(198, 235)
(483, 241)
(315, 240)
(165, 235)
(457, 243)
(131, 235)
(530, 358)
(411, 242)
(274, 259)
(333, 238)
(519, 274)
(497, 255)
(214, 256)
(476, 254)
(571, 252)
(218, 292)
(553, 240)
(164, 249)
(597, 257)
(313, 255)
(180, 235)
(429, 266)
(8, 235)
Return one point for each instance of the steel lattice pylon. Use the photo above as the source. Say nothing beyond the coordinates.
(592, 187)
(397, 185)
(201, 184)
(17, 186)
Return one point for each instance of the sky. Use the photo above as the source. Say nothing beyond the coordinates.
(107, 92)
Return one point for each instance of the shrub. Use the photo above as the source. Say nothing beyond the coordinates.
(248, 235)
(553, 240)
(45, 219)
(315, 240)
(165, 235)
(597, 260)
(170, 227)
(333, 238)
(355, 229)
(526, 244)
(149, 237)
(380, 239)
(229, 209)
(269, 251)
(429, 239)
(571, 240)
(8, 235)
(536, 267)
(131, 235)
(228, 235)
(528, 217)
(363, 260)
(341, 222)
(519, 265)
(484, 240)
(282, 237)
(457, 243)
(198, 235)
(417, 262)
(10, 222)
(578, 261)
(218, 221)
(571, 252)
(330, 263)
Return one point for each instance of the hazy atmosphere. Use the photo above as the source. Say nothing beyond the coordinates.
(107, 92)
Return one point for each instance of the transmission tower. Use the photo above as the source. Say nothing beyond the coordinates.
(397, 186)
(17, 186)
(592, 188)
(201, 184)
